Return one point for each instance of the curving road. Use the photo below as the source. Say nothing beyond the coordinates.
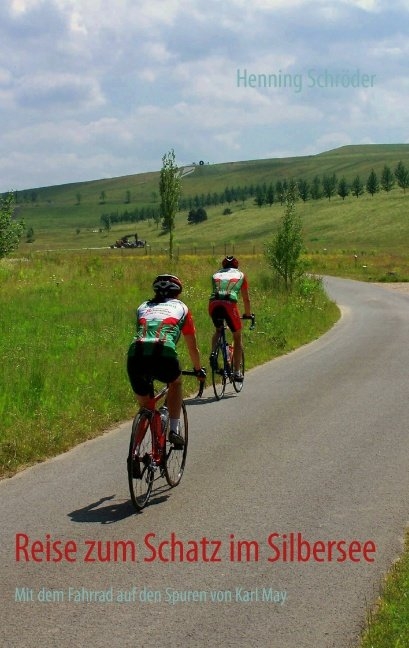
(316, 449)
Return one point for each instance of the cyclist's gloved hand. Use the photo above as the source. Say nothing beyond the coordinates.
(200, 374)
(251, 317)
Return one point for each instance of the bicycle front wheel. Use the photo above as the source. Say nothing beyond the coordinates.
(140, 467)
(218, 372)
(238, 384)
(175, 459)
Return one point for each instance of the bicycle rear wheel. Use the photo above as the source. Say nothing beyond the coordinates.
(218, 372)
(238, 384)
(175, 459)
(139, 462)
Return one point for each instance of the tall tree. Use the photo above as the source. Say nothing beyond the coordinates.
(372, 184)
(402, 176)
(169, 189)
(343, 189)
(316, 192)
(260, 198)
(280, 189)
(303, 189)
(387, 179)
(11, 230)
(270, 194)
(357, 187)
(329, 185)
(106, 221)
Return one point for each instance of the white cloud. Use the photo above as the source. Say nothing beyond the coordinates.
(333, 140)
(18, 7)
(367, 5)
(77, 23)
(95, 88)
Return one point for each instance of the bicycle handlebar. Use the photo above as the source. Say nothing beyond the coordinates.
(201, 374)
(251, 317)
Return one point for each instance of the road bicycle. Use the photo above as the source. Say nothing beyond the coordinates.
(221, 362)
(151, 456)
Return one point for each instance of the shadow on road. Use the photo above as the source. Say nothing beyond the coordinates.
(207, 399)
(97, 514)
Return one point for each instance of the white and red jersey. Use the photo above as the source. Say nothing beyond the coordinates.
(227, 284)
(162, 323)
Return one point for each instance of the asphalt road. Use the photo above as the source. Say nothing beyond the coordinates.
(315, 448)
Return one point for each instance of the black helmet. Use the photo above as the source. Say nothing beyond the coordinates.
(167, 285)
(230, 262)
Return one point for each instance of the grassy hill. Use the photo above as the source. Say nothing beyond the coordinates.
(68, 216)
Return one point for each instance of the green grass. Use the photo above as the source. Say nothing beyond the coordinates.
(365, 238)
(388, 622)
(67, 321)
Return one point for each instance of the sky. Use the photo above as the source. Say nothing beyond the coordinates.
(93, 89)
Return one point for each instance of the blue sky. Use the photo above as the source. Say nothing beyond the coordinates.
(93, 89)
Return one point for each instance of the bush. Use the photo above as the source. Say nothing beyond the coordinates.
(11, 230)
(283, 253)
(197, 215)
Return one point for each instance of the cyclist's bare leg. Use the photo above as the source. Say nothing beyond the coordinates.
(238, 348)
(174, 402)
(143, 401)
(174, 399)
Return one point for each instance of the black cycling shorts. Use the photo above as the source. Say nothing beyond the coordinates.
(143, 369)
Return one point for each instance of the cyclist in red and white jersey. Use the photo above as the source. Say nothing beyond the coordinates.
(160, 322)
(228, 284)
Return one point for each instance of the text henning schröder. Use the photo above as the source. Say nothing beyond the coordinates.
(313, 78)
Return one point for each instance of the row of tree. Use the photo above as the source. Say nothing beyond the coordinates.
(320, 187)
(130, 216)
(325, 186)
(147, 213)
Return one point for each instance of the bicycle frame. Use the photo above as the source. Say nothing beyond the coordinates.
(227, 351)
(150, 450)
(227, 372)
